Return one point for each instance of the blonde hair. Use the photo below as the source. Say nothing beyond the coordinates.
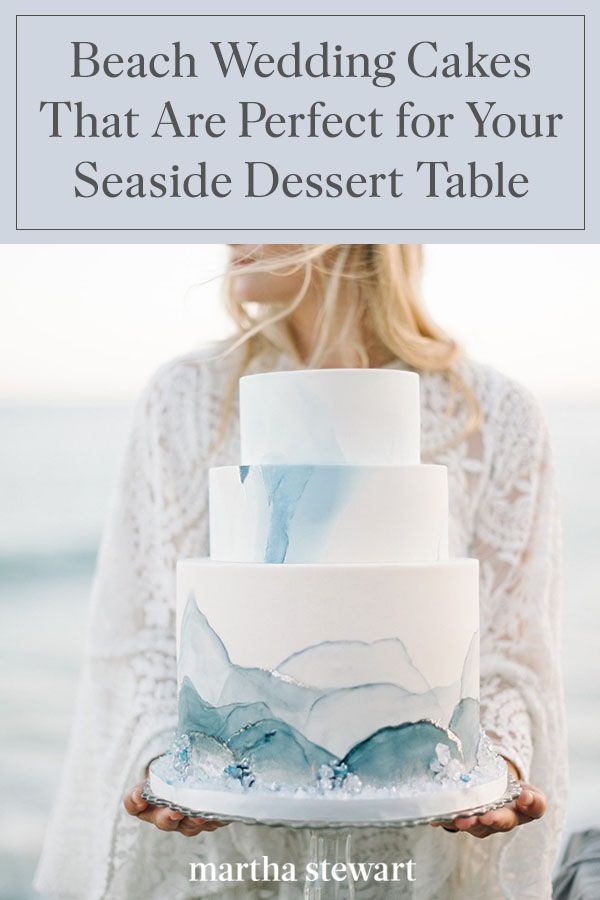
(379, 286)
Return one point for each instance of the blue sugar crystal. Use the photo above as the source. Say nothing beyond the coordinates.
(337, 776)
(242, 772)
(181, 753)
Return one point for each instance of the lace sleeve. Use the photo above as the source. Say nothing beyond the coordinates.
(516, 538)
(127, 700)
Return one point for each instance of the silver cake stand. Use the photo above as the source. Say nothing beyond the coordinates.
(331, 842)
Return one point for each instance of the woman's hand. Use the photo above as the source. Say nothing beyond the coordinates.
(165, 819)
(529, 806)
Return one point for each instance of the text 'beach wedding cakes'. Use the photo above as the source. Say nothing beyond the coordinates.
(328, 655)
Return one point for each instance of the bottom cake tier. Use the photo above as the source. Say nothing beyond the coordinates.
(334, 692)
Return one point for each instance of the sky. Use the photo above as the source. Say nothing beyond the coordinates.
(84, 324)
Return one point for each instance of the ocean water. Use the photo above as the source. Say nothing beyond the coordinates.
(57, 468)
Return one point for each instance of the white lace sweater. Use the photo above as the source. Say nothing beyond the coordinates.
(503, 511)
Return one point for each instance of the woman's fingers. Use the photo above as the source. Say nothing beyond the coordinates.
(500, 819)
(531, 803)
(170, 820)
(191, 827)
(465, 823)
(164, 818)
(189, 830)
(133, 801)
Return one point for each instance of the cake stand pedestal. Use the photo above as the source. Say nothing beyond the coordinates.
(327, 847)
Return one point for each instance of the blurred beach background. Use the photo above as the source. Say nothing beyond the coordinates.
(82, 329)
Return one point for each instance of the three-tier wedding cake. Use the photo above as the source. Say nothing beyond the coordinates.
(328, 655)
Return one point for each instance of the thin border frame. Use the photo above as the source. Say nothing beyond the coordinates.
(296, 16)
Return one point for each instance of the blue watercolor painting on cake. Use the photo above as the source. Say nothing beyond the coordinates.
(251, 727)
(285, 487)
(327, 513)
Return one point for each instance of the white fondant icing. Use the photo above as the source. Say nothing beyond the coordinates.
(330, 416)
(324, 514)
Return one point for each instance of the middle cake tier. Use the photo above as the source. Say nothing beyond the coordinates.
(328, 514)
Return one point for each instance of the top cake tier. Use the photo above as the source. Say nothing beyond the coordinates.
(330, 417)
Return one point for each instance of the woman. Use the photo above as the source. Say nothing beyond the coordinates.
(316, 306)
